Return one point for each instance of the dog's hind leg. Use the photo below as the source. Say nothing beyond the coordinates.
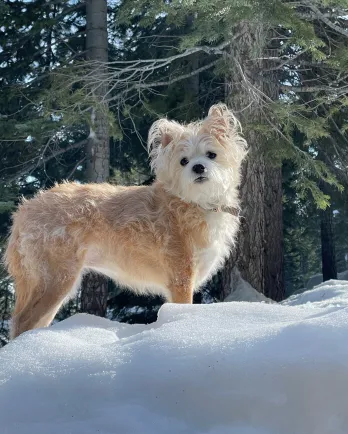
(38, 302)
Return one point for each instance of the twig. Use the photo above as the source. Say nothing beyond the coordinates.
(42, 161)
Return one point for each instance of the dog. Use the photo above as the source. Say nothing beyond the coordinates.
(168, 238)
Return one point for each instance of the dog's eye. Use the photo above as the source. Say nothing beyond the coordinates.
(184, 161)
(211, 155)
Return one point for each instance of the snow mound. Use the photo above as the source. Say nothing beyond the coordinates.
(226, 368)
(243, 291)
(316, 279)
(332, 293)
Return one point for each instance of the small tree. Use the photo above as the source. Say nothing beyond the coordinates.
(94, 292)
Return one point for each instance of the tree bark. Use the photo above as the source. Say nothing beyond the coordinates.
(328, 253)
(274, 285)
(245, 75)
(274, 246)
(98, 149)
(259, 252)
(94, 287)
(249, 254)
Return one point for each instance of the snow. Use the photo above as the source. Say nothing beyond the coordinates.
(318, 278)
(224, 368)
(243, 291)
(333, 293)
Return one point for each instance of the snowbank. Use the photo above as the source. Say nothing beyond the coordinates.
(243, 291)
(318, 278)
(332, 293)
(227, 368)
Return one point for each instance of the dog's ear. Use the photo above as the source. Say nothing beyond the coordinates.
(161, 134)
(166, 139)
(220, 122)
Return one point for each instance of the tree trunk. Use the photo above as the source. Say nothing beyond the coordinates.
(248, 256)
(328, 254)
(274, 285)
(274, 247)
(259, 252)
(95, 288)
(98, 148)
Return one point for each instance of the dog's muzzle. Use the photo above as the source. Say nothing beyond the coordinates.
(199, 169)
(201, 179)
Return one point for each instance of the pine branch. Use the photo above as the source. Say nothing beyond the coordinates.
(325, 20)
(314, 89)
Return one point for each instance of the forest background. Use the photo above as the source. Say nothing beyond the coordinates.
(82, 81)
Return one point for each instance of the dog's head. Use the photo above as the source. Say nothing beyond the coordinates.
(199, 162)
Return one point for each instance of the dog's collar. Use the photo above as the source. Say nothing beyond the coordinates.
(228, 209)
(223, 208)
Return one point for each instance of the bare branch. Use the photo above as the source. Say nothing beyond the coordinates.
(325, 19)
(75, 168)
(122, 77)
(155, 84)
(334, 91)
(209, 49)
(42, 161)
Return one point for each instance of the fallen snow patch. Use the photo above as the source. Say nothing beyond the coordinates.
(227, 368)
(243, 291)
(332, 293)
(318, 278)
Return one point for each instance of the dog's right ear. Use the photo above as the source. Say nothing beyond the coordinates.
(161, 134)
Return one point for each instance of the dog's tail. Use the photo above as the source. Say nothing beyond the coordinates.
(11, 258)
(14, 261)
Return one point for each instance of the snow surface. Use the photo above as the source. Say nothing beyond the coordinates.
(333, 293)
(226, 368)
(318, 278)
(243, 291)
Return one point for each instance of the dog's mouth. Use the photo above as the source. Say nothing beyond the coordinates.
(201, 179)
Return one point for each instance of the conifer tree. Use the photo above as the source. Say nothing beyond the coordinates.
(177, 58)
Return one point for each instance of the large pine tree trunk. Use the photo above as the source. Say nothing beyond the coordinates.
(274, 280)
(259, 252)
(249, 254)
(95, 288)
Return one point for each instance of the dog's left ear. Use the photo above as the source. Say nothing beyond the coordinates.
(220, 122)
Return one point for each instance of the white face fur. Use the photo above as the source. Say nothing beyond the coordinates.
(199, 162)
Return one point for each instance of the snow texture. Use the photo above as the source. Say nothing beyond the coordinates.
(333, 293)
(243, 291)
(226, 368)
(318, 278)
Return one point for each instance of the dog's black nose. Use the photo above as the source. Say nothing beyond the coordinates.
(199, 168)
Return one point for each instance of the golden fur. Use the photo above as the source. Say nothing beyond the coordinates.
(164, 238)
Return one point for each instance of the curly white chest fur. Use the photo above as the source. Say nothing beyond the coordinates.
(222, 231)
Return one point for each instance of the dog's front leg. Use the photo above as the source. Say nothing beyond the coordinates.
(181, 286)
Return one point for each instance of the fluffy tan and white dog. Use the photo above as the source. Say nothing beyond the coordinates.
(167, 238)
